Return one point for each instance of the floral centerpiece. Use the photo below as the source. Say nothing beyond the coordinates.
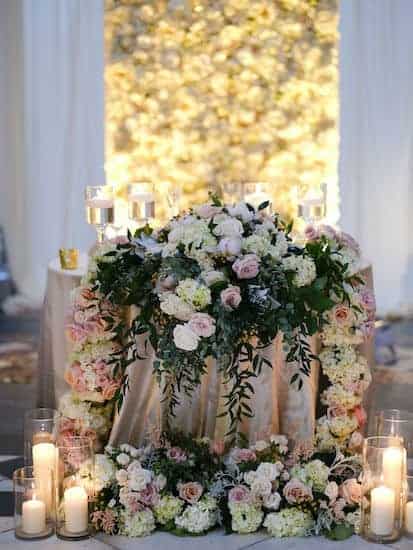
(222, 282)
(185, 486)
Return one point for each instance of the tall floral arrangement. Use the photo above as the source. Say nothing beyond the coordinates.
(201, 92)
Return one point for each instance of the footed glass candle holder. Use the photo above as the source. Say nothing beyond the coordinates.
(75, 487)
(33, 517)
(384, 478)
(141, 202)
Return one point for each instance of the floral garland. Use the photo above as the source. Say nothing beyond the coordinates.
(190, 487)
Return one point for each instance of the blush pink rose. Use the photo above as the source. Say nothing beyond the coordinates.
(202, 324)
(76, 333)
(218, 447)
(149, 496)
(246, 267)
(338, 509)
(230, 246)
(328, 231)
(191, 492)
(176, 454)
(367, 299)
(243, 455)
(350, 490)
(296, 492)
(208, 211)
(311, 233)
(108, 391)
(341, 314)
(231, 297)
(360, 415)
(356, 441)
(349, 242)
(239, 493)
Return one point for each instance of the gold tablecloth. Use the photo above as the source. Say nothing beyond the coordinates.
(278, 406)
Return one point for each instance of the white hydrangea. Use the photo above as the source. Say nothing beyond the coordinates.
(246, 518)
(336, 394)
(314, 474)
(123, 459)
(194, 293)
(290, 522)
(212, 277)
(104, 471)
(167, 509)
(139, 524)
(305, 270)
(345, 365)
(343, 426)
(199, 517)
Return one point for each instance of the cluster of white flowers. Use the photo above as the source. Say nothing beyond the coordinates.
(167, 509)
(199, 517)
(104, 471)
(314, 474)
(196, 92)
(138, 524)
(304, 268)
(345, 365)
(246, 517)
(85, 414)
(289, 522)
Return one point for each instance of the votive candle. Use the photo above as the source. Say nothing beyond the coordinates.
(393, 467)
(408, 520)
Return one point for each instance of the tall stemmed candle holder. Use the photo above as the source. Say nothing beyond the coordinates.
(141, 202)
(384, 477)
(253, 193)
(75, 487)
(32, 519)
(100, 208)
(40, 434)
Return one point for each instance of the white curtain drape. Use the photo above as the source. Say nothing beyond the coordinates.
(51, 128)
(376, 120)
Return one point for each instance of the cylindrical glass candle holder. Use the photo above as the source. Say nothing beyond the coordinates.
(40, 433)
(384, 475)
(399, 423)
(33, 516)
(75, 487)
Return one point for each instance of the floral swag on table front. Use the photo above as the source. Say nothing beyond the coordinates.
(222, 282)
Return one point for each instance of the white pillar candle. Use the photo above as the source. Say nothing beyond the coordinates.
(76, 510)
(393, 467)
(409, 517)
(33, 517)
(44, 461)
(382, 511)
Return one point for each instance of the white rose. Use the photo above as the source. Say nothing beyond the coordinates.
(250, 477)
(122, 477)
(212, 277)
(230, 246)
(242, 211)
(267, 470)
(123, 459)
(139, 479)
(261, 487)
(185, 338)
(261, 445)
(272, 501)
(229, 227)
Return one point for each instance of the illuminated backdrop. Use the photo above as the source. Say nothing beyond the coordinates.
(210, 91)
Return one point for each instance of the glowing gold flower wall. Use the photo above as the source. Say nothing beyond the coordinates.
(209, 91)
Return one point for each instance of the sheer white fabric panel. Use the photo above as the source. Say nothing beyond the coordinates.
(376, 74)
(52, 77)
